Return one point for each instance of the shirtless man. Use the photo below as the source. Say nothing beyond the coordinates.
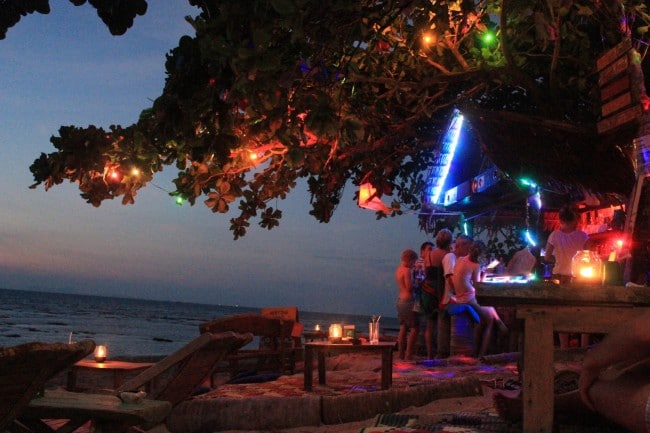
(614, 382)
(406, 317)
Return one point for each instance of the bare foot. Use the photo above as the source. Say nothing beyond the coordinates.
(509, 408)
(568, 409)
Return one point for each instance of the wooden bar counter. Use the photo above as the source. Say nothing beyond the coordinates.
(546, 308)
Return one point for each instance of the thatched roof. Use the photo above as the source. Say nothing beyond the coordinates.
(568, 161)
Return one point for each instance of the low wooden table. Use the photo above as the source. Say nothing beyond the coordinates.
(118, 369)
(321, 348)
(107, 412)
(547, 308)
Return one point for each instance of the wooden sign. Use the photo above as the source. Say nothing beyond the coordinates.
(629, 115)
(617, 104)
(615, 88)
(610, 56)
(614, 70)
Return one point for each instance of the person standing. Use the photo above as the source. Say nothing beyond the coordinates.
(406, 317)
(563, 243)
(461, 248)
(433, 286)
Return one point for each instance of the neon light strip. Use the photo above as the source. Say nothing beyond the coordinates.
(447, 154)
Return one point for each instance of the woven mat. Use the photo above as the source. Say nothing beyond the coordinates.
(466, 423)
(356, 374)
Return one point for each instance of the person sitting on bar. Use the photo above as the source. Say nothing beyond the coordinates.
(466, 274)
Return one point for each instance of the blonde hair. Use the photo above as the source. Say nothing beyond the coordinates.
(408, 255)
(443, 239)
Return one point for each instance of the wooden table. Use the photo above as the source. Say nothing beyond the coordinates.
(107, 412)
(321, 348)
(315, 335)
(117, 368)
(546, 308)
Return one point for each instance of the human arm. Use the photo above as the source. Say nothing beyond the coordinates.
(627, 344)
(548, 253)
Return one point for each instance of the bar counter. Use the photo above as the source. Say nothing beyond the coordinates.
(546, 308)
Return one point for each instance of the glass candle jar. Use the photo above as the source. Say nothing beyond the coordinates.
(586, 267)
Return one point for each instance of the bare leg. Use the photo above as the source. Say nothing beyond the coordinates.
(623, 400)
(411, 343)
(444, 335)
(401, 341)
(564, 340)
(568, 408)
(428, 337)
(482, 345)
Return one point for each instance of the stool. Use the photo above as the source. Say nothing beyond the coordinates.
(463, 318)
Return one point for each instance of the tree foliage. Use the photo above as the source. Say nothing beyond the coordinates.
(345, 91)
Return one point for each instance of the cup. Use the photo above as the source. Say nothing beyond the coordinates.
(373, 332)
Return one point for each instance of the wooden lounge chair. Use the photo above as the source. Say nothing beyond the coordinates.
(168, 382)
(25, 369)
(275, 353)
(177, 377)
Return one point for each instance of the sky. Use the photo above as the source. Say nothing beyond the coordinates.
(65, 68)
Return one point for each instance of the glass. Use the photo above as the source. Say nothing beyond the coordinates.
(373, 332)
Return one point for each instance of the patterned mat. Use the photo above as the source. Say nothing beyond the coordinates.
(466, 423)
(357, 374)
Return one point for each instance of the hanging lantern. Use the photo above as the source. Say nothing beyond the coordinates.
(586, 266)
(368, 199)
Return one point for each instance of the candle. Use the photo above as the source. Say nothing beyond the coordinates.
(336, 332)
(586, 266)
(317, 328)
(100, 353)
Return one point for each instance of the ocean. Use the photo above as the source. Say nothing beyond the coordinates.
(127, 327)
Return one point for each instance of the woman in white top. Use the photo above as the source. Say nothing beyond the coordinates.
(563, 243)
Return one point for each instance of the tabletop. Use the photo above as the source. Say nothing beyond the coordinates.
(112, 365)
(543, 293)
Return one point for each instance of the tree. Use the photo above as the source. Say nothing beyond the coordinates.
(271, 91)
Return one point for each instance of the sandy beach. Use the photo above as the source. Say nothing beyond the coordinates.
(352, 402)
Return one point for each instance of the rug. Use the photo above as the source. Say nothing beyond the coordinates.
(359, 373)
(467, 423)
(443, 423)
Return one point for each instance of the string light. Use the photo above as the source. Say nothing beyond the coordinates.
(529, 238)
(488, 37)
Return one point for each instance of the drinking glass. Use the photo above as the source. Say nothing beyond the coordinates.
(373, 332)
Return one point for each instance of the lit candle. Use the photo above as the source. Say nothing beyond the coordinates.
(586, 266)
(336, 332)
(317, 328)
(100, 353)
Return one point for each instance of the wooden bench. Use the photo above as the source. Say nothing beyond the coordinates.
(107, 412)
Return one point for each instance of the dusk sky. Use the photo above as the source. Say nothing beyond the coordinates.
(65, 68)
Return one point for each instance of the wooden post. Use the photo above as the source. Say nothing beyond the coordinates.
(641, 186)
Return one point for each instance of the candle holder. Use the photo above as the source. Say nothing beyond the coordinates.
(100, 354)
(586, 267)
(335, 332)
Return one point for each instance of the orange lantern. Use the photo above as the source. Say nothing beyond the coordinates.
(368, 199)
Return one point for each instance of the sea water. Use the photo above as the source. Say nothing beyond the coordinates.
(127, 327)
